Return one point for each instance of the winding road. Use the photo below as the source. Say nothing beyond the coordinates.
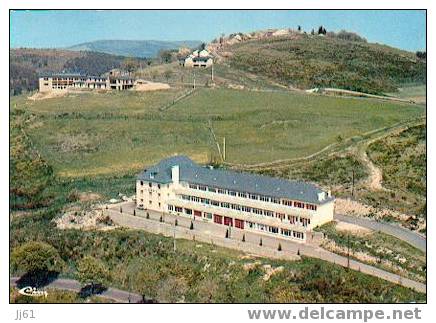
(117, 295)
(404, 234)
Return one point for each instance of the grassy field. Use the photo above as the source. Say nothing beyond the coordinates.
(98, 134)
(416, 93)
(403, 161)
(380, 250)
(315, 61)
(330, 171)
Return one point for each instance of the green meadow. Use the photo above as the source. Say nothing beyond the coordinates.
(98, 134)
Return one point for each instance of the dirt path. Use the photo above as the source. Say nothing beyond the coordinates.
(375, 178)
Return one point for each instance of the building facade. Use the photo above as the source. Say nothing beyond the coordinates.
(62, 81)
(280, 208)
(199, 58)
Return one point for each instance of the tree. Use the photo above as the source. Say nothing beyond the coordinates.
(202, 46)
(92, 271)
(260, 242)
(168, 74)
(322, 30)
(134, 212)
(227, 233)
(144, 276)
(279, 247)
(299, 28)
(421, 55)
(166, 56)
(36, 258)
(243, 237)
(130, 64)
(191, 227)
(312, 32)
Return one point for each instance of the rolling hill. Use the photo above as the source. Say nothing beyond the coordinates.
(306, 61)
(133, 48)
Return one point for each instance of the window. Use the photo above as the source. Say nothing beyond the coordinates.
(217, 219)
(241, 194)
(236, 207)
(170, 208)
(254, 197)
(142, 183)
(232, 193)
(215, 203)
(226, 205)
(188, 211)
(211, 189)
(273, 229)
(287, 233)
(264, 198)
(287, 202)
(208, 215)
(311, 207)
(178, 209)
(268, 213)
(221, 191)
(275, 200)
(193, 186)
(239, 223)
(299, 204)
(246, 208)
(202, 187)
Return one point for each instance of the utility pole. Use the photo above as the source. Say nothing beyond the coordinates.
(211, 77)
(224, 149)
(174, 237)
(348, 252)
(194, 77)
(352, 183)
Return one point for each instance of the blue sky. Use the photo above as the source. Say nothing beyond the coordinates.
(397, 28)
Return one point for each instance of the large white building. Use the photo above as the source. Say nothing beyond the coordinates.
(264, 204)
(63, 81)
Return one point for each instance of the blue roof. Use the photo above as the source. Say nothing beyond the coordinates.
(237, 181)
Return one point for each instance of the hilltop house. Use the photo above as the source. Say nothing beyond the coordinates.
(272, 206)
(63, 81)
(199, 58)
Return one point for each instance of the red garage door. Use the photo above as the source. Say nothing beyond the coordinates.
(228, 221)
(217, 219)
(239, 223)
(197, 213)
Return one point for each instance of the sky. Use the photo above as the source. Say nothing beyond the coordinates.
(405, 29)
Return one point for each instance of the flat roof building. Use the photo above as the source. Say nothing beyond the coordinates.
(64, 81)
(246, 201)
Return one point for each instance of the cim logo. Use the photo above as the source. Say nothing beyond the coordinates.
(32, 291)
